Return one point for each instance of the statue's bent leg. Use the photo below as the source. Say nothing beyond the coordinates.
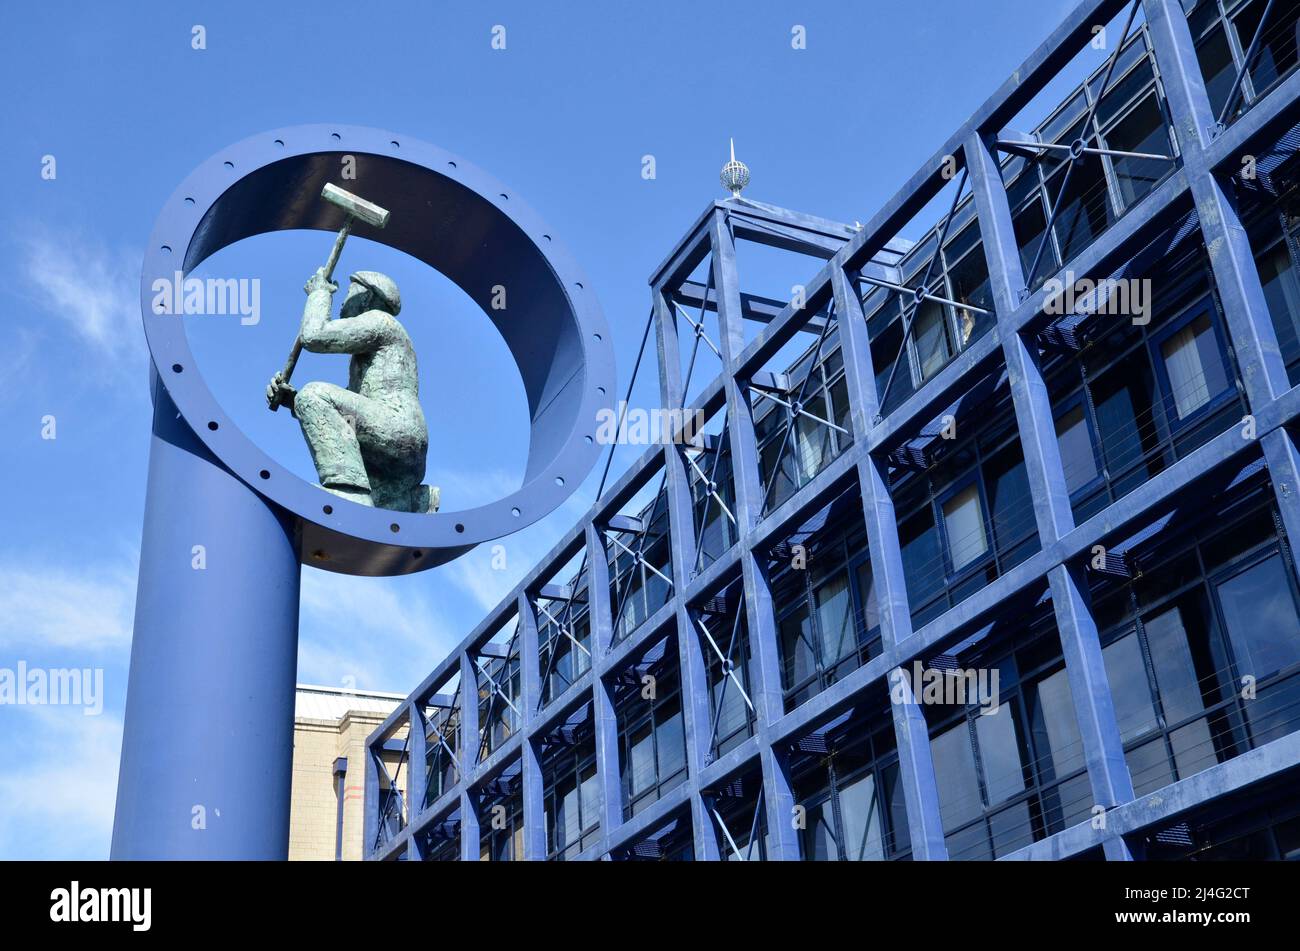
(329, 415)
(394, 444)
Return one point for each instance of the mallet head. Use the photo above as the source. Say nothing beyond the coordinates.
(357, 207)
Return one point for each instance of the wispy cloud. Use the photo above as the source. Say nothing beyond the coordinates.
(376, 633)
(87, 288)
(388, 633)
(490, 571)
(463, 489)
(49, 606)
(66, 788)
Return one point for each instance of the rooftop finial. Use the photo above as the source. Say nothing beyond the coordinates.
(735, 175)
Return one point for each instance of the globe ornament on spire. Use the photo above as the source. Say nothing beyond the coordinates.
(735, 175)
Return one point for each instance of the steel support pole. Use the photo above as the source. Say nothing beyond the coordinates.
(760, 619)
(1085, 669)
(207, 744)
(1033, 407)
(1245, 308)
(694, 681)
(916, 767)
(603, 715)
(534, 801)
(1283, 459)
(467, 751)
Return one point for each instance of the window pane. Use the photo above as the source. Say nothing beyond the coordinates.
(931, 339)
(570, 819)
(1193, 748)
(1149, 766)
(1125, 419)
(954, 773)
(1275, 711)
(1194, 366)
(969, 277)
(1217, 66)
(1261, 619)
(922, 564)
(641, 761)
(1142, 130)
(812, 440)
(861, 811)
(671, 744)
(899, 831)
(964, 523)
(1125, 84)
(1282, 291)
(1012, 829)
(1008, 488)
(1077, 456)
(833, 615)
(1180, 694)
(1058, 747)
(796, 646)
(590, 798)
(970, 285)
(819, 835)
(1030, 225)
(867, 597)
(885, 348)
(1129, 688)
(969, 845)
(1084, 212)
(1276, 55)
(1004, 775)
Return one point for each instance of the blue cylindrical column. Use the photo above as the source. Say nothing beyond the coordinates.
(207, 745)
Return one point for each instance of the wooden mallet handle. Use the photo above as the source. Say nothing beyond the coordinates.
(296, 350)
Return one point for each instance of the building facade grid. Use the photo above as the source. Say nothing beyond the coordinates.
(1208, 154)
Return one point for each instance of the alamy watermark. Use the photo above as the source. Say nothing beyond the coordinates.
(640, 427)
(1120, 297)
(976, 686)
(103, 905)
(211, 296)
(53, 686)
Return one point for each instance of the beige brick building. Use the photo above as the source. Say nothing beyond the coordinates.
(329, 741)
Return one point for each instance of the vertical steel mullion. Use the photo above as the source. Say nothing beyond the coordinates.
(469, 826)
(765, 651)
(693, 678)
(1244, 70)
(1033, 408)
(916, 768)
(417, 778)
(1081, 648)
(534, 804)
(467, 750)
(1085, 136)
(1085, 671)
(604, 719)
(1245, 309)
(791, 421)
(1283, 461)
(371, 815)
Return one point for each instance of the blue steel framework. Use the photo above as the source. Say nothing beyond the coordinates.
(405, 820)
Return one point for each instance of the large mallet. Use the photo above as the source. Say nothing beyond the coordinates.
(356, 209)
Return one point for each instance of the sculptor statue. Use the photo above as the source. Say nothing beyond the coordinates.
(368, 441)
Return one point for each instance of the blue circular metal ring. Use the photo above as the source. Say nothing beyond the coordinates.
(457, 219)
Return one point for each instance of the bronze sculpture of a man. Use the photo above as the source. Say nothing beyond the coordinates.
(368, 441)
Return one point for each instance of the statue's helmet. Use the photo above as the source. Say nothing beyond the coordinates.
(382, 286)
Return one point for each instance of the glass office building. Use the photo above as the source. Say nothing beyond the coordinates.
(984, 548)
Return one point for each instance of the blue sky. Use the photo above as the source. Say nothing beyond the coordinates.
(563, 115)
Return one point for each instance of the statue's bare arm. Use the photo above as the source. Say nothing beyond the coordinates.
(363, 333)
(360, 334)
